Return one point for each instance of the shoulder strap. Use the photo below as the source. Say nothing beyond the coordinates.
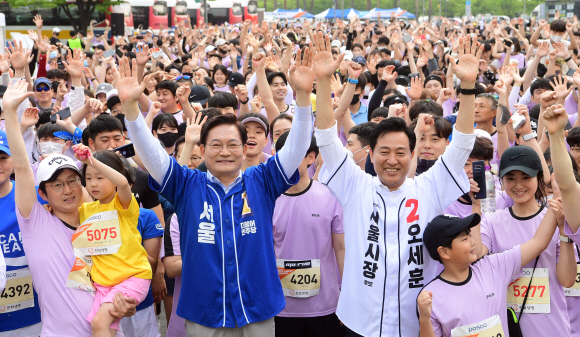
(527, 290)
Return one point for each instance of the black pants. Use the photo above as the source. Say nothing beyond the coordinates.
(350, 333)
(322, 326)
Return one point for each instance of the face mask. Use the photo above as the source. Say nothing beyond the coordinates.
(223, 51)
(53, 54)
(367, 91)
(85, 63)
(368, 49)
(168, 138)
(351, 154)
(47, 148)
(356, 53)
(513, 49)
(355, 99)
(423, 165)
(556, 38)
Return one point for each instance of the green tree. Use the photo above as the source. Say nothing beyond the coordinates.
(77, 11)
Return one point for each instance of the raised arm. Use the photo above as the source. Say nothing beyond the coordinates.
(154, 157)
(265, 92)
(531, 249)
(25, 187)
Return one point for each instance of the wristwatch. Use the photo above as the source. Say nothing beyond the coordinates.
(245, 102)
(471, 91)
(530, 136)
(566, 239)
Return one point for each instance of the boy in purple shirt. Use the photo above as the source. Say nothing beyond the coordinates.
(480, 285)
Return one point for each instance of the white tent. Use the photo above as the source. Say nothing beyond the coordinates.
(337, 13)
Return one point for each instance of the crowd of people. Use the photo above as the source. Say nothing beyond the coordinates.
(344, 178)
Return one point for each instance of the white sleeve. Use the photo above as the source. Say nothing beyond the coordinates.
(339, 172)
(5, 79)
(251, 85)
(513, 98)
(75, 101)
(526, 98)
(298, 141)
(446, 181)
(154, 157)
(289, 99)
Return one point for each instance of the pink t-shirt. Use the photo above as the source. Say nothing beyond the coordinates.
(503, 230)
(303, 227)
(48, 247)
(176, 326)
(481, 296)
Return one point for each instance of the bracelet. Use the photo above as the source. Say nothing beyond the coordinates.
(568, 59)
(245, 102)
(93, 79)
(350, 80)
(471, 91)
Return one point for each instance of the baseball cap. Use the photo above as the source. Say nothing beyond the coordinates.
(56, 30)
(482, 134)
(520, 158)
(348, 55)
(235, 79)
(395, 99)
(336, 43)
(112, 98)
(98, 34)
(149, 31)
(199, 94)
(42, 80)
(257, 120)
(220, 42)
(402, 80)
(443, 227)
(209, 48)
(4, 143)
(104, 88)
(53, 163)
(360, 60)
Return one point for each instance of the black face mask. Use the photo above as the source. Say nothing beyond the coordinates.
(423, 165)
(355, 99)
(223, 51)
(168, 138)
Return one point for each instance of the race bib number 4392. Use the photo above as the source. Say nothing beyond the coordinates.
(299, 278)
(18, 293)
(99, 234)
(538, 292)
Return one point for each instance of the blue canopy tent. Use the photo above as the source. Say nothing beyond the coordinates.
(337, 13)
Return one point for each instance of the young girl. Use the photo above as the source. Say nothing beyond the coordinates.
(522, 178)
(109, 233)
(220, 78)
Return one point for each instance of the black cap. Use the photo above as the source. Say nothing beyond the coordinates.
(394, 99)
(402, 80)
(199, 94)
(445, 226)
(236, 79)
(520, 158)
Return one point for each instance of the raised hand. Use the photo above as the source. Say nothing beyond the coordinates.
(424, 123)
(398, 110)
(83, 154)
(259, 61)
(422, 60)
(301, 75)
(575, 78)
(37, 21)
(468, 67)
(193, 130)
(526, 128)
(4, 63)
(242, 92)
(29, 118)
(43, 44)
(336, 86)
(32, 35)
(445, 94)
(389, 74)
(561, 88)
(555, 119)
(543, 49)
(425, 303)
(129, 88)
(548, 98)
(142, 55)
(256, 104)
(61, 91)
(500, 87)
(74, 63)
(15, 94)
(518, 80)
(18, 55)
(354, 70)
(416, 89)
(182, 93)
(506, 75)
(94, 106)
(324, 64)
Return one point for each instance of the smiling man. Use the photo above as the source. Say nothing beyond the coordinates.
(385, 217)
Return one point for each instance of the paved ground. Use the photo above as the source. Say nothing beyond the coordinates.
(162, 322)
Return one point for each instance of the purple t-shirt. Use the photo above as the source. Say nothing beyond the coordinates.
(463, 209)
(503, 230)
(225, 88)
(176, 326)
(303, 227)
(518, 57)
(570, 105)
(486, 287)
(47, 243)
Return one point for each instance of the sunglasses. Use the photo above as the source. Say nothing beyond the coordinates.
(41, 89)
(187, 77)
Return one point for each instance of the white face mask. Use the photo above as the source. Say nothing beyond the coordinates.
(351, 154)
(368, 49)
(47, 148)
(367, 91)
(513, 49)
(556, 38)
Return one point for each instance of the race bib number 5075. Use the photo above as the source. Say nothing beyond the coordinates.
(99, 234)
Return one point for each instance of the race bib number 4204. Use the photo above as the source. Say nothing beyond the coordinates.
(99, 234)
(490, 327)
(299, 278)
(538, 292)
(18, 293)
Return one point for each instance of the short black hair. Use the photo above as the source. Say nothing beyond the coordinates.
(168, 85)
(270, 77)
(112, 160)
(380, 112)
(425, 107)
(385, 63)
(482, 149)
(227, 119)
(558, 26)
(363, 132)
(573, 138)
(210, 113)
(384, 40)
(164, 119)
(447, 242)
(443, 127)
(56, 73)
(104, 123)
(389, 125)
(279, 117)
(48, 130)
(282, 140)
(540, 83)
(222, 100)
(258, 116)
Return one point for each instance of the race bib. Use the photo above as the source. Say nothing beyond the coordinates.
(18, 293)
(99, 234)
(80, 274)
(575, 290)
(490, 327)
(538, 294)
(300, 278)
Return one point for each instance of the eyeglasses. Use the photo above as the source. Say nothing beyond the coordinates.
(193, 159)
(187, 77)
(72, 183)
(41, 89)
(232, 147)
